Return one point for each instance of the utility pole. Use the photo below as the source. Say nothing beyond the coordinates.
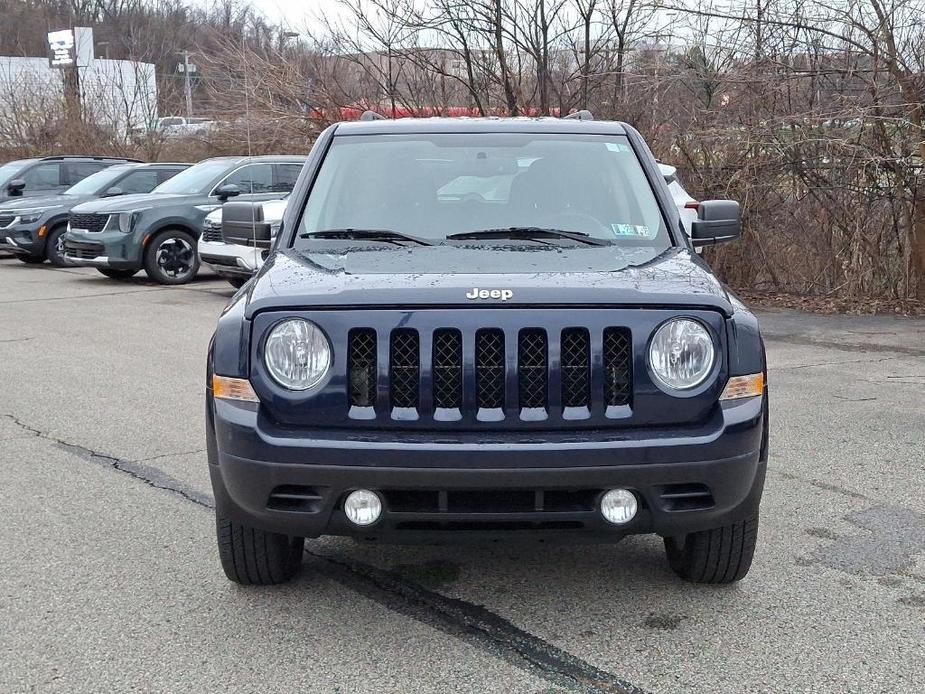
(186, 85)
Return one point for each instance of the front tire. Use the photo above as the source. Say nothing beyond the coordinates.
(255, 557)
(720, 555)
(54, 247)
(32, 259)
(171, 257)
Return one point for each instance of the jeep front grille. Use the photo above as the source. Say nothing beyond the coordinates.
(361, 365)
(405, 368)
(448, 368)
(618, 374)
(489, 369)
(470, 374)
(532, 368)
(575, 353)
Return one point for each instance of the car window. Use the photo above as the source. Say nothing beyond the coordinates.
(286, 175)
(100, 181)
(143, 181)
(166, 174)
(171, 121)
(593, 184)
(9, 170)
(253, 178)
(196, 179)
(74, 172)
(45, 176)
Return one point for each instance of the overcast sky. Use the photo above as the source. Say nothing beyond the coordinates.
(297, 14)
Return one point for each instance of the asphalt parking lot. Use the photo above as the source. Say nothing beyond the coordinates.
(111, 582)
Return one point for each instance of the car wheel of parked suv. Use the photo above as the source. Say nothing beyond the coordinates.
(54, 247)
(171, 257)
(255, 557)
(720, 555)
(114, 274)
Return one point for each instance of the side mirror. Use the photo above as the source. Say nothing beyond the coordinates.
(717, 222)
(16, 187)
(228, 190)
(112, 192)
(669, 172)
(243, 225)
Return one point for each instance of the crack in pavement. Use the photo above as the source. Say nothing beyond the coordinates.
(464, 620)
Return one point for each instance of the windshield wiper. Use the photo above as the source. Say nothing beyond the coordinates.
(386, 235)
(530, 234)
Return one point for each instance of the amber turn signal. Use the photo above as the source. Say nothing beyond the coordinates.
(743, 387)
(42, 231)
(233, 389)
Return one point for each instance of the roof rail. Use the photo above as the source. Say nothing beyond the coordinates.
(63, 157)
(372, 115)
(583, 114)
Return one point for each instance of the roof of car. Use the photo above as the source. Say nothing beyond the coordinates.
(92, 157)
(240, 159)
(489, 124)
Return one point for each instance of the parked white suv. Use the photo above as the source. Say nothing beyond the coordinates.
(234, 262)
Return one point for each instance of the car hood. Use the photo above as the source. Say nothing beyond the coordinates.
(43, 201)
(443, 276)
(126, 203)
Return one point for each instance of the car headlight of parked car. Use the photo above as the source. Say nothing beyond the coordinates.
(681, 354)
(297, 354)
(32, 216)
(126, 221)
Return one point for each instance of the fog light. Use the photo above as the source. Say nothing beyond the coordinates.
(619, 506)
(363, 507)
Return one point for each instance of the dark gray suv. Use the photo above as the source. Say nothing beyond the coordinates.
(49, 175)
(33, 228)
(158, 232)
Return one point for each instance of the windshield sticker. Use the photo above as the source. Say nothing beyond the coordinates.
(618, 147)
(632, 230)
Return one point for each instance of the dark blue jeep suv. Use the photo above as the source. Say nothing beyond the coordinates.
(487, 327)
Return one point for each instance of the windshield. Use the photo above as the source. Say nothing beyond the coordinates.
(196, 179)
(98, 182)
(433, 186)
(9, 170)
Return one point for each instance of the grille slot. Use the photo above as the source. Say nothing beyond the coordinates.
(83, 250)
(90, 222)
(618, 379)
(686, 497)
(489, 369)
(361, 366)
(575, 355)
(405, 368)
(293, 497)
(532, 368)
(447, 368)
(6, 220)
(212, 233)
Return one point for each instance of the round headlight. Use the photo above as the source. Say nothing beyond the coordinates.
(681, 353)
(297, 354)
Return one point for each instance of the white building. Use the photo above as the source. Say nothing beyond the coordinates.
(116, 95)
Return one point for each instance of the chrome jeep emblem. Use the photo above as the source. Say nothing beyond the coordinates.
(476, 293)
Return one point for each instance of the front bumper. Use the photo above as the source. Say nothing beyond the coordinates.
(22, 240)
(111, 249)
(230, 260)
(294, 482)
